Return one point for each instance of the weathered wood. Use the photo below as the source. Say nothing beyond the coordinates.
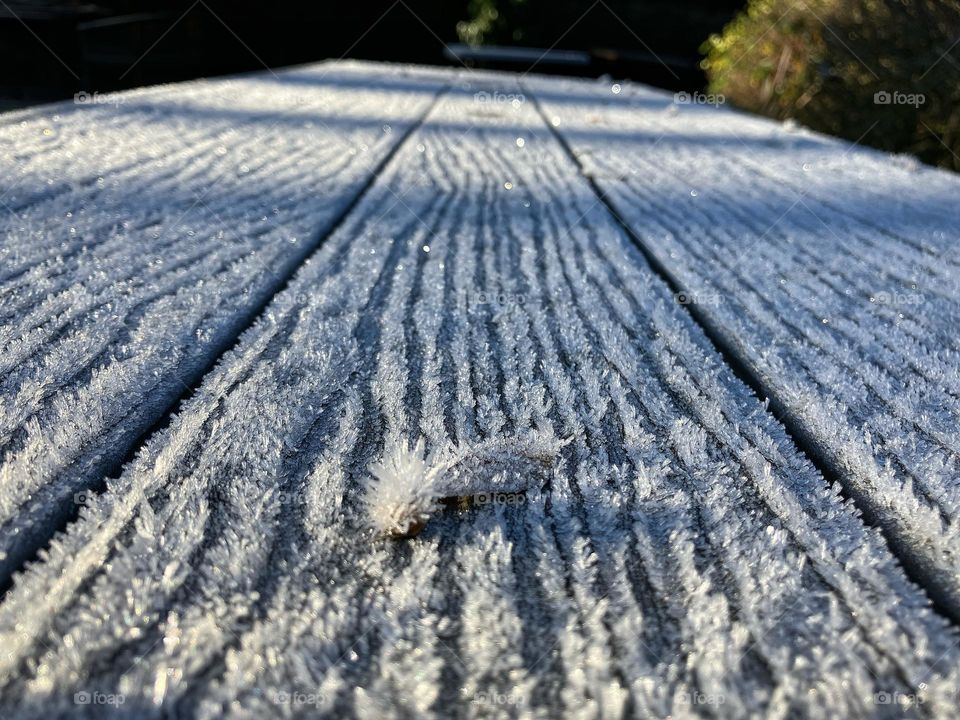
(143, 235)
(683, 558)
(831, 273)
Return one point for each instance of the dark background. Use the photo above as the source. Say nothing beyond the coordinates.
(51, 49)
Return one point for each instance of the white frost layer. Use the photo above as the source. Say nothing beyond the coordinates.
(683, 560)
(144, 234)
(833, 273)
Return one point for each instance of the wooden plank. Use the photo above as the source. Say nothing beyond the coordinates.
(683, 558)
(830, 272)
(146, 230)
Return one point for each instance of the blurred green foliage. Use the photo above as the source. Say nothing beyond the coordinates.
(484, 19)
(672, 26)
(883, 72)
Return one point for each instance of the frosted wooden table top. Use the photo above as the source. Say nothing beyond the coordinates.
(687, 380)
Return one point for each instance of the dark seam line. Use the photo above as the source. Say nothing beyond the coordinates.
(914, 564)
(28, 550)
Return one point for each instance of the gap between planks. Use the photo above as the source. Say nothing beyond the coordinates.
(829, 468)
(31, 551)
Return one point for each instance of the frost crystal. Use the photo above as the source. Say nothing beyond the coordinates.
(405, 487)
(400, 493)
